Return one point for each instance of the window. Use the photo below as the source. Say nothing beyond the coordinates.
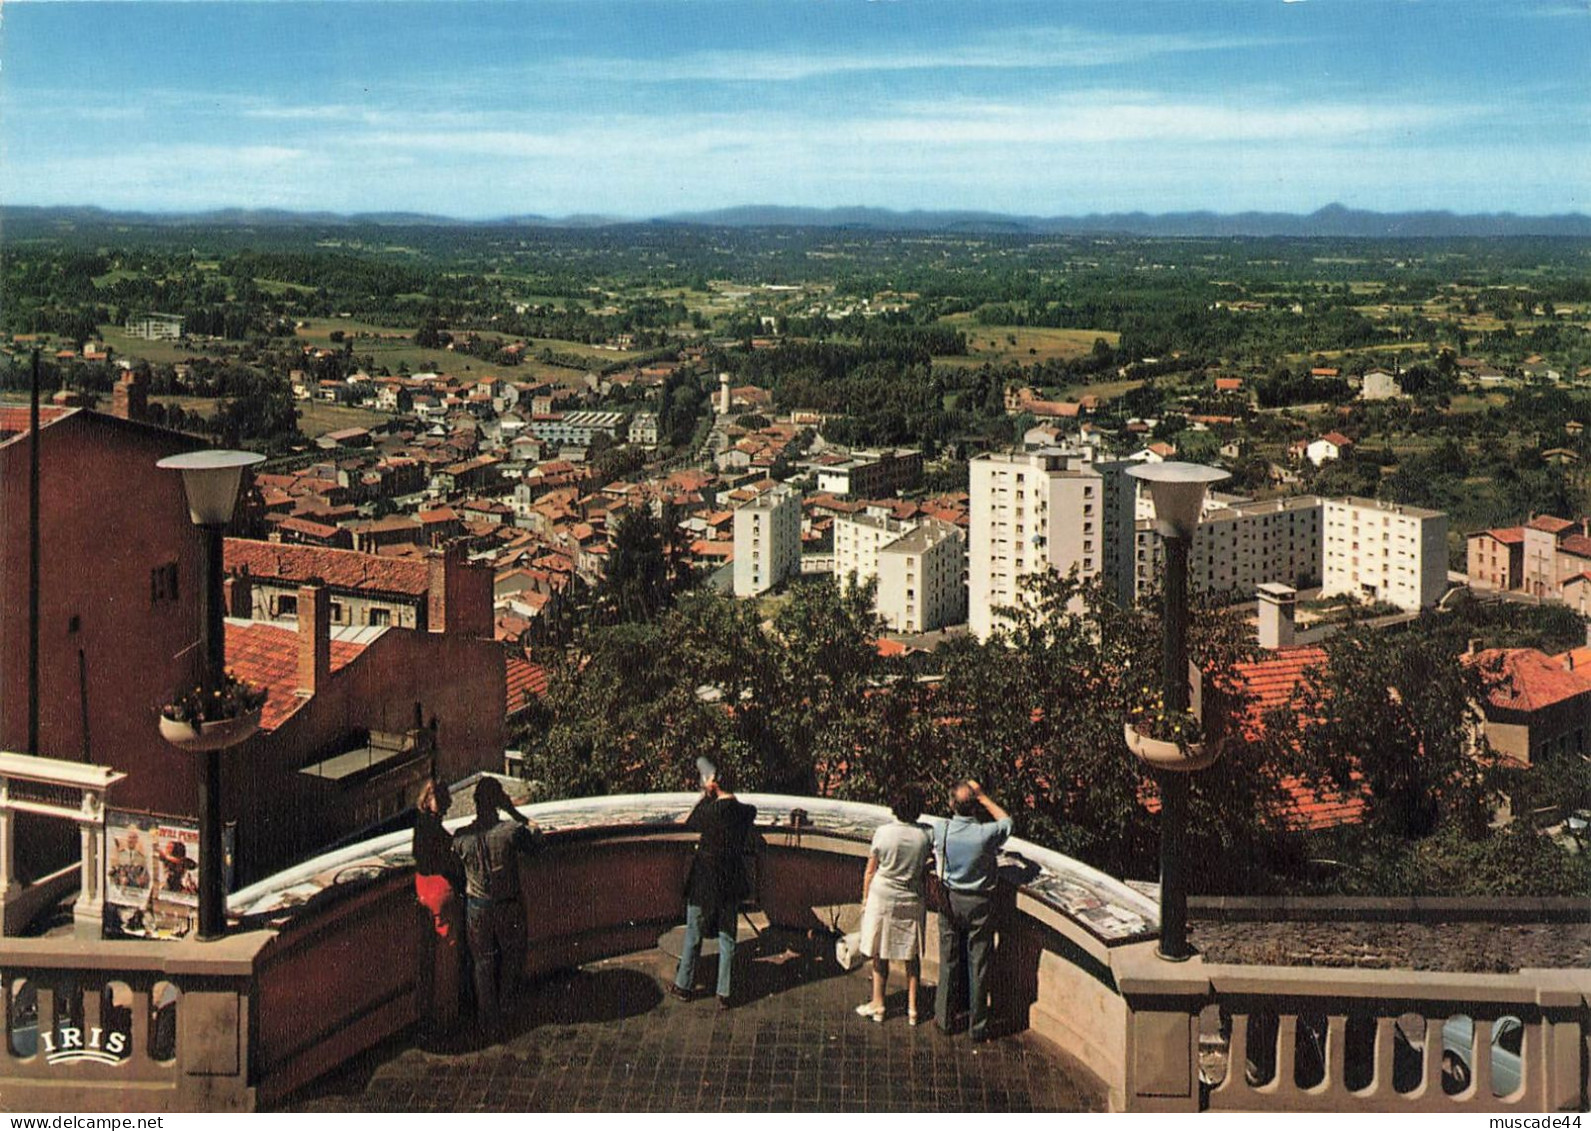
(380, 617)
(163, 582)
(336, 612)
(287, 605)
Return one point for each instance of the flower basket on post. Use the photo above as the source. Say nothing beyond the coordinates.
(1167, 740)
(197, 721)
(1163, 754)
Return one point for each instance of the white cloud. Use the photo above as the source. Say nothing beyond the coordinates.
(1043, 48)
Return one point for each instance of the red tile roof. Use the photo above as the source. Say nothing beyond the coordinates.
(1505, 534)
(1549, 524)
(15, 421)
(1528, 680)
(312, 529)
(340, 569)
(1270, 681)
(1577, 544)
(524, 679)
(1312, 808)
(267, 654)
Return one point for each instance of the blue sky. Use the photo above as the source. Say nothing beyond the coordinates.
(479, 108)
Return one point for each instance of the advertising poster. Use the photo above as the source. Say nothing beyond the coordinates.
(152, 875)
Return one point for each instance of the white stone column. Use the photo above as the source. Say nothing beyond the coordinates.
(88, 913)
(9, 885)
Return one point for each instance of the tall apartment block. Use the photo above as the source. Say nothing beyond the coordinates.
(1029, 511)
(918, 567)
(767, 540)
(858, 538)
(1384, 551)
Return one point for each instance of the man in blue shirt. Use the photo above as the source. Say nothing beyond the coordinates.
(965, 851)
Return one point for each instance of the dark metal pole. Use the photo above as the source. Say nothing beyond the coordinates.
(34, 552)
(212, 894)
(1174, 786)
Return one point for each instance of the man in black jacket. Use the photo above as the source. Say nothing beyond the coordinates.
(716, 882)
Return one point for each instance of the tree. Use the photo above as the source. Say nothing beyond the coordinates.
(1396, 715)
(644, 568)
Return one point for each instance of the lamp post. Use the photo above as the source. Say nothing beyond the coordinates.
(1177, 490)
(211, 479)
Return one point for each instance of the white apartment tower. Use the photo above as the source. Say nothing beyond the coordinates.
(1241, 546)
(1384, 552)
(920, 582)
(858, 538)
(767, 540)
(1029, 511)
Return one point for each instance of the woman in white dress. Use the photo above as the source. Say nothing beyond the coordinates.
(894, 911)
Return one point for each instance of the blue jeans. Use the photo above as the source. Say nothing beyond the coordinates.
(685, 976)
(966, 940)
(496, 934)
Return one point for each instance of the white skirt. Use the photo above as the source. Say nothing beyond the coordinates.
(894, 924)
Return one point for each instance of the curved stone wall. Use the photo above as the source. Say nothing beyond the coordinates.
(1106, 908)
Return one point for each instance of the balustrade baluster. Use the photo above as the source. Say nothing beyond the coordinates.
(1386, 1052)
(139, 1054)
(1334, 1082)
(1237, 1055)
(1287, 1052)
(1481, 1059)
(1431, 1062)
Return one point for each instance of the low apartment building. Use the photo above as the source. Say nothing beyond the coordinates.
(1495, 559)
(873, 474)
(1240, 546)
(578, 429)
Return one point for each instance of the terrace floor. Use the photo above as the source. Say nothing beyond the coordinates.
(607, 1038)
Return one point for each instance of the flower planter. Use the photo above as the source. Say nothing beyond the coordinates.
(199, 737)
(1160, 754)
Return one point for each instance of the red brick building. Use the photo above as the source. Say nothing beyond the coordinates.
(357, 715)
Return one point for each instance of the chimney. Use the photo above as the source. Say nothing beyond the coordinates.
(239, 593)
(1276, 606)
(130, 397)
(314, 638)
(723, 394)
(459, 598)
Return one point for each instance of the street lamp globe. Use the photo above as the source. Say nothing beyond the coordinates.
(1177, 490)
(211, 480)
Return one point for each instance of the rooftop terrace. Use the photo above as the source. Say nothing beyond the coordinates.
(606, 1038)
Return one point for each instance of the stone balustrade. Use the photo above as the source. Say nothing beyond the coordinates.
(323, 961)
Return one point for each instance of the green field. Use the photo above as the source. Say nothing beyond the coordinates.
(393, 347)
(1024, 344)
(157, 353)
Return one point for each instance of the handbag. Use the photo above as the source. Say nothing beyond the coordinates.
(848, 951)
(935, 894)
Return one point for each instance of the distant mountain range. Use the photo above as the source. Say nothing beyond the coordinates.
(1334, 220)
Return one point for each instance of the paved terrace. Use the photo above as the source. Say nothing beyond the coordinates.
(606, 1038)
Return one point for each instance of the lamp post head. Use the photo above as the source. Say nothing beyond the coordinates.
(211, 479)
(1178, 493)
